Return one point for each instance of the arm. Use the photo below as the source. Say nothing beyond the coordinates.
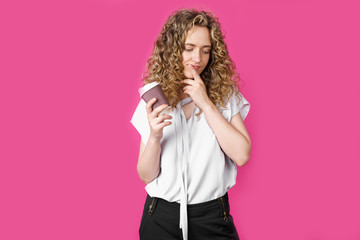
(148, 165)
(233, 137)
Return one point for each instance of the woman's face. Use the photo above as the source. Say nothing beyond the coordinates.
(197, 50)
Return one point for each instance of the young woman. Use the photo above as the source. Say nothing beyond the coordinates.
(188, 157)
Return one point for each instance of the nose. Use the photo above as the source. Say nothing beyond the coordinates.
(196, 56)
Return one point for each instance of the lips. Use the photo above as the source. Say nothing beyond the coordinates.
(196, 67)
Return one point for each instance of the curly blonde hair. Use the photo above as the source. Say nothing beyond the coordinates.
(165, 64)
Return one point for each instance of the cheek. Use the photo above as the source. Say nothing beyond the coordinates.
(185, 57)
(206, 58)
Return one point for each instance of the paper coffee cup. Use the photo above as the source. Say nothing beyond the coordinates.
(153, 90)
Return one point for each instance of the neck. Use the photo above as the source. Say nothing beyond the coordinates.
(183, 95)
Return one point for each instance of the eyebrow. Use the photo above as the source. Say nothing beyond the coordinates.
(193, 45)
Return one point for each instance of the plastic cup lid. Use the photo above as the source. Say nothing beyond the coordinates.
(147, 87)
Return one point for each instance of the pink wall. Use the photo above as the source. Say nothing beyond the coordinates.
(69, 74)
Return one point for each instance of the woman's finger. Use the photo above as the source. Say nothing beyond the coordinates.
(185, 88)
(158, 109)
(164, 124)
(188, 81)
(149, 105)
(162, 118)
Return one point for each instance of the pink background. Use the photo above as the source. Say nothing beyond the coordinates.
(70, 71)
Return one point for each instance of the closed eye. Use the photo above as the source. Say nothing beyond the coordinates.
(205, 51)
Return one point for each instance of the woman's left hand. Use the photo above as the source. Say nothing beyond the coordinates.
(196, 89)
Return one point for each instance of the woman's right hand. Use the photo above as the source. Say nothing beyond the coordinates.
(157, 122)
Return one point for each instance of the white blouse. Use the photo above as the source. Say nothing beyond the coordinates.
(194, 168)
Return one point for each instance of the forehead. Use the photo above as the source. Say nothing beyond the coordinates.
(198, 35)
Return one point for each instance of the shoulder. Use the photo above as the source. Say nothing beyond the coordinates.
(234, 104)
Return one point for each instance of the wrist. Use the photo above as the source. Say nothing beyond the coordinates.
(154, 140)
(209, 107)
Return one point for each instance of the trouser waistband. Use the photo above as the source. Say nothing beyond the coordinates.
(193, 209)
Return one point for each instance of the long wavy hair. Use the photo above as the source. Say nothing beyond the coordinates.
(165, 64)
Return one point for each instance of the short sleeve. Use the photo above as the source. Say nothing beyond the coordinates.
(140, 122)
(236, 105)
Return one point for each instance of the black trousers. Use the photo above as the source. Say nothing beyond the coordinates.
(208, 220)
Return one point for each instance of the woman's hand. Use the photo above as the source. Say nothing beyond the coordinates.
(197, 90)
(157, 122)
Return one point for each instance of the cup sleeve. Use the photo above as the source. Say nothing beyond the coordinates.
(236, 105)
(140, 122)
